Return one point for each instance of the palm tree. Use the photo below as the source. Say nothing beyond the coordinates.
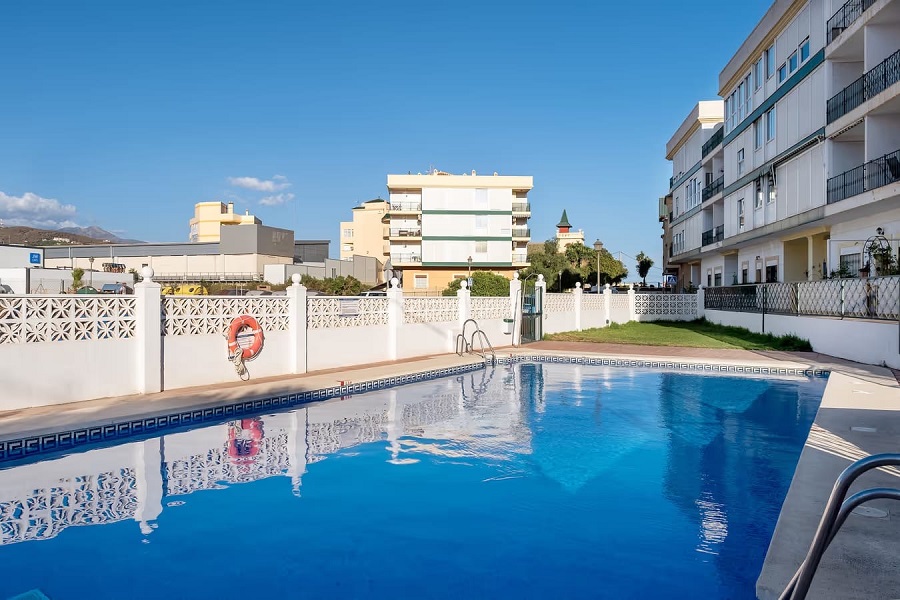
(644, 263)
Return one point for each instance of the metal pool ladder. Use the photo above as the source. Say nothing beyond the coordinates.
(467, 346)
(836, 512)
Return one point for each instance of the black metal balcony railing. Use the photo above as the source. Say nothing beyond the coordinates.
(707, 237)
(711, 236)
(714, 188)
(719, 233)
(845, 17)
(521, 207)
(869, 176)
(406, 232)
(872, 83)
(714, 141)
(672, 181)
(406, 206)
(521, 232)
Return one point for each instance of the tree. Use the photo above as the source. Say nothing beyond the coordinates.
(77, 276)
(644, 263)
(134, 274)
(578, 263)
(484, 283)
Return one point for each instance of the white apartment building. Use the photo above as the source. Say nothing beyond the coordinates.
(794, 185)
(441, 226)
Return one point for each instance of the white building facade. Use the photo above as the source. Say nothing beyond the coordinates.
(802, 174)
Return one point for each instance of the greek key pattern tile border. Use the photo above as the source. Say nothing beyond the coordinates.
(27, 447)
(665, 364)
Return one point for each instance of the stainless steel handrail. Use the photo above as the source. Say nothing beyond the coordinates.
(464, 346)
(837, 509)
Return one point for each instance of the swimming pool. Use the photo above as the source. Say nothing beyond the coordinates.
(527, 480)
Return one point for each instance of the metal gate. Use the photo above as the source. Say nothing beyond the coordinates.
(532, 311)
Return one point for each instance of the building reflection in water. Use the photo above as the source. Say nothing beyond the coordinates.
(474, 415)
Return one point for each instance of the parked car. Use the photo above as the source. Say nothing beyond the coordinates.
(116, 288)
(259, 293)
(233, 292)
(5, 289)
(374, 293)
(87, 289)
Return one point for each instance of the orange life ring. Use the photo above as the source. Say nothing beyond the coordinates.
(238, 328)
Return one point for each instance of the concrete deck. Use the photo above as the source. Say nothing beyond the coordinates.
(863, 561)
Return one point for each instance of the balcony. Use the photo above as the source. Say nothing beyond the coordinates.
(406, 232)
(878, 79)
(406, 259)
(521, 207)
(713, 142)
(521, 232)
(845, 17)
(406, 207)
(869, 176)
(519, 258)
(714, 188)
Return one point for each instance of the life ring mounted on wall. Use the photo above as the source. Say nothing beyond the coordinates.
(245, 338)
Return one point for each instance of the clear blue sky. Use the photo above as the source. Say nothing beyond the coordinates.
(124, 116)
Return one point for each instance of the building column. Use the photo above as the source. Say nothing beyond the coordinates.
(607, 303)
(809, 258)
(632, 314)
(148, 308)
(395, 316)
(297, 325)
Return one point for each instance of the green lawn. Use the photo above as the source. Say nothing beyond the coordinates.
(691, 334)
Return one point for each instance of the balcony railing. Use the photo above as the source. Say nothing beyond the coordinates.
(714, 188)
(406, 206)
(521, 207)
(713, 142)
(519, 232)
(406, 258)
(875, 81)
(719, 233)
(845, 17)
(707, 237)
(405, 232)
(869, 176)
(520, 258)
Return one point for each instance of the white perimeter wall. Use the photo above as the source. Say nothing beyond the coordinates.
(854, 339)
(328, 348)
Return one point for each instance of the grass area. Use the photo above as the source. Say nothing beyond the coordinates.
(691, 334)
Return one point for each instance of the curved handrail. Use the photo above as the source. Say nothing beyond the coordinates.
(835, 515)
(464, 346)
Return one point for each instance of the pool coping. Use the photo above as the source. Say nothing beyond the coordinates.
(811, 484)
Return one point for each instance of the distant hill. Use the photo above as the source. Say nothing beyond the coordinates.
(30, 236)
(98, 233)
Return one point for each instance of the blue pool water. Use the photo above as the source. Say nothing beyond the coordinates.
(524, 481)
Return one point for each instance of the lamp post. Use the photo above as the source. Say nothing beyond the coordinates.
(469, 281)
(598, 246)
(560, 281)
(91, 261)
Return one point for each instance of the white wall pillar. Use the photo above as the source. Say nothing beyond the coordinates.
(809, 258)
(148, 461)
(297, 448)
(147, 334)
(515, 307)
(578, 292)
(607, 303)
(297, 326)
(701, 310)
(464, 296)
(395, 316)
(632, 313)
(540, 296)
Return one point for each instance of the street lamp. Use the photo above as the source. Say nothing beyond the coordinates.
(91, 261)
(469, 260)
(560, 281)
(598, 246)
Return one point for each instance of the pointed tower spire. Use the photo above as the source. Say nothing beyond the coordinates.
(564, 224)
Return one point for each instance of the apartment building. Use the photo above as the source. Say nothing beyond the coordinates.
(363, 235)
(210, 217)
(802, 174)
(442, 226)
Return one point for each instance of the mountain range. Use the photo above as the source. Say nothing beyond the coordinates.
(60, 237)
(99, 234)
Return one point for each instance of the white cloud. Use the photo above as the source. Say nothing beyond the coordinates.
(31, 210)
(277, 199)
(277, 183)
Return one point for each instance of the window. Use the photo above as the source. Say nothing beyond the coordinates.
(804, 50)
(770, 61)
(758, 274)
(748, 96)
(782, 72)
(481, 197)
(709, 179)
(759, 194)
(740, 212)
(677, 206)
(851, 263)
(740, 161)
(771, 273)
(745, 273)
(758, 134)
(770, 124)
(792, 62)
(772, 190)
(480, 247)
(708, 278)
(348, 233)
(420, 282)
(717, 280)
(481, 223)
(758, 74)
(347, 247)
